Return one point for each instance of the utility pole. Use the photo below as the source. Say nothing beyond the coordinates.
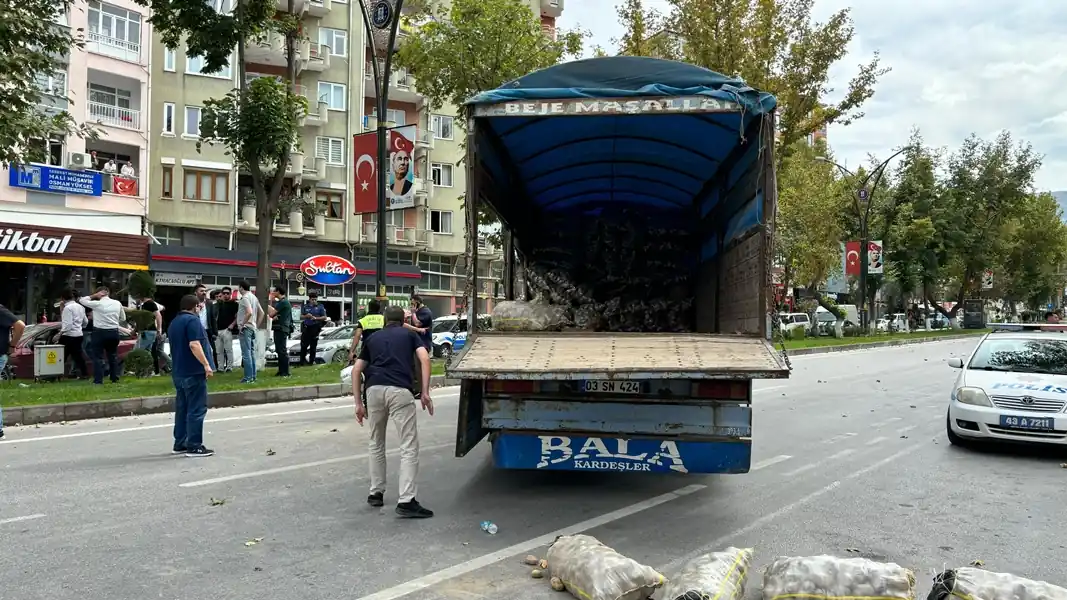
(382, 20)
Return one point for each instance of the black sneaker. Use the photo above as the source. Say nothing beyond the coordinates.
(179, 450)
(413, 510)
(199, 452)
(376, 500)
(2, 437)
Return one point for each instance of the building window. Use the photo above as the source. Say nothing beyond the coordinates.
(167, 190)
(211, 186)
(440, 221)
(436, 272)
(167, 236)
(333, 94)
(441, 174)
(192, 121)
(392, 115)
(333, 203)
(114, 31)
(400, 258)
(392, 217)
(113, 106)
(195, 66)
(332, 149)
(170, 59)
(168, 118)
(442, 126)
(336, 39)
(54, 84)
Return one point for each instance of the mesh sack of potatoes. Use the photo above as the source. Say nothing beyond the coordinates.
(978, 584)
(718, 576)
(513, 315)
(828, 577)
(592, 571)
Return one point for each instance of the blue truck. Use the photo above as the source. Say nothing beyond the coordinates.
(677, 143)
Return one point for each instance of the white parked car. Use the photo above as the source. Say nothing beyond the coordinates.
(332, 347)
(1013, 387)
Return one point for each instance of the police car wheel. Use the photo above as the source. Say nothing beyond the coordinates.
(446, 350)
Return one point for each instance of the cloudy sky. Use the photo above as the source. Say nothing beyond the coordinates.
(958, 66)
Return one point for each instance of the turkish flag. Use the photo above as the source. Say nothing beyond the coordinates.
(365, 151)
(852, 258)
(127, 186)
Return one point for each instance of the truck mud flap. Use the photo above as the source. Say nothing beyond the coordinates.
(469, 430)
(563, 452)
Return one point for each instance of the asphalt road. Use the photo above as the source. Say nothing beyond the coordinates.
(849, 453)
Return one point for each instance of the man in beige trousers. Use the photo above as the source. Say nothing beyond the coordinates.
(387, 358)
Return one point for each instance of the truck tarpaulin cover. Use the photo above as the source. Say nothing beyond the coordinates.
(605, 170)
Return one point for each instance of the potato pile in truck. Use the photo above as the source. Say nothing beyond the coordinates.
(637, 201)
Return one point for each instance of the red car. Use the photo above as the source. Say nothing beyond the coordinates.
(21, 364)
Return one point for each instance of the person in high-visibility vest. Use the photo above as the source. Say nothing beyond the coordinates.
(372, 322)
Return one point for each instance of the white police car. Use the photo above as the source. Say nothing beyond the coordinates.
(1013, 387)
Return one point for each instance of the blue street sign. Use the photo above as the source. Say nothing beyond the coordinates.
(56, 180)
(862, 194)
(381, 14)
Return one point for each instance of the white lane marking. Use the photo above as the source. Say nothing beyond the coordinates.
(480, 562)
(345, 406)
(907, 429)
(838, 438)
(877, 440)
(286, 469)
(763, 464)
(820, 463)
(768, 518)
(20, 519)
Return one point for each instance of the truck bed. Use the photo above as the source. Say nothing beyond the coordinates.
(587, 355)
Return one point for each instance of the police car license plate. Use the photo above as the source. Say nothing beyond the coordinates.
(611, 387)
(1032, 423)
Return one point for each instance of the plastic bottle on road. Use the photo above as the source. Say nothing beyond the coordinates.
(489, 527)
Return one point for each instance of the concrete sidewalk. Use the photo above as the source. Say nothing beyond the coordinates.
(75, 411)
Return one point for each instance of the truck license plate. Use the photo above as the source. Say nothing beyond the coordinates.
(1032, 423)
(612, 387)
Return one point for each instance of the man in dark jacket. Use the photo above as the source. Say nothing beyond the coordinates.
(225, 320)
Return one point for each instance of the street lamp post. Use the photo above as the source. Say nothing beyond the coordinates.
(382, 20)
(863, 198)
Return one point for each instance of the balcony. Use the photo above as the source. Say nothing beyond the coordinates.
(119, 166)
(99, 42)
(113, 116)
(299, 6)
(296, 163)
(402, 86)
(423, 189)
(268, 49)
(424, 140)
(397, 236)
(319, 8)
(424, 238)
(551, 8)
(316, 57)
(315, 171)
(370, 123)
(370, 233)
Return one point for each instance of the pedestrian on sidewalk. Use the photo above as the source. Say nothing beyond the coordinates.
(108, 315)
(72, 330)
(281, 310)
(248, 316)
(388, 358)
(192, 366)
(11, 328)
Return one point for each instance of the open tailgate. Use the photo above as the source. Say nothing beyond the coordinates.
(589, 355)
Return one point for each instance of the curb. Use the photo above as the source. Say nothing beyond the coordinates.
(885, 344)
(100, 409)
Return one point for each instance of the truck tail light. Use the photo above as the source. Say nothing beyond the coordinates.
(721, 390)
(504, 386)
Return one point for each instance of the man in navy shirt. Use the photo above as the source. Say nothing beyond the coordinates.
(314, 316)
(191, 368)
(388, 358)
(422, 324)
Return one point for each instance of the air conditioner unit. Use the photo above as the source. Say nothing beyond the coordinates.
(79, 160)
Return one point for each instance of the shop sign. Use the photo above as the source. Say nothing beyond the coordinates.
(325, 269)
(56, 180)
(17, 240)
(607, 106)
(176, 279)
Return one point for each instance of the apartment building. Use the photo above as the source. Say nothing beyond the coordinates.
(200, 208)
(431, 235)
(77, 219)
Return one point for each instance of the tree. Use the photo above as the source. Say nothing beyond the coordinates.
(808, 224)
(473, 46)
(1032, 270)
(908, 233)
(646, 32)
(258, 122)
(773, 45)
(33, 45)
(988, 185)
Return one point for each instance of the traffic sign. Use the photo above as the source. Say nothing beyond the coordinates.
(862, 194)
